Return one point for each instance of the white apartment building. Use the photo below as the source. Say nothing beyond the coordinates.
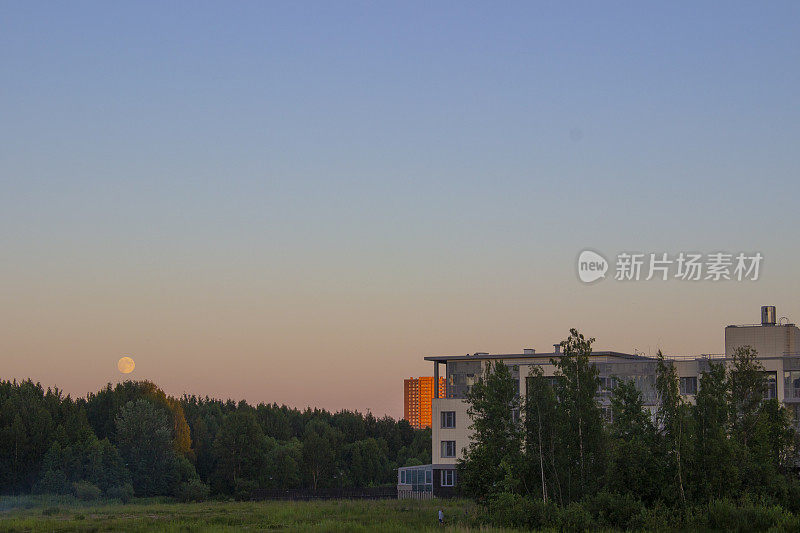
(776, 342)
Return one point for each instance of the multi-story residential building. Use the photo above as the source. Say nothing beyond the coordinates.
(418, 394)
(777, 344)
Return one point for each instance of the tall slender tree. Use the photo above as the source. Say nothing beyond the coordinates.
(672, 420)
(540, 408)
(581, 438)
(747, 389)
(715, 474)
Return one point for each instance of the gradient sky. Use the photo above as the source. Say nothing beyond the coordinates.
(296, 202)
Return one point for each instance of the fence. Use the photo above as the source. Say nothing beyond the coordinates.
(403, 494)
(362, 493)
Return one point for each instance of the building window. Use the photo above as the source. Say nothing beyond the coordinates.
(771, 390)
(402, 476)
(448, 478)
(448, 448)
(608, 414)
(607, 384)
(554, 381)
(688, 385)
(791, 384)
(448, 419)
(428, 477)
(795, 411)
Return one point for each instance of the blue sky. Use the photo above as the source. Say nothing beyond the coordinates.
(374, 182)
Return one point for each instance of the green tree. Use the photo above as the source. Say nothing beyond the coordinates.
(714, 471)
(775, 436)
(284, 462)
(418, 448)
(769, 461)
(31, 419)
(541, 419)
(104, 406)
(241, 453)
(672, 420)
(581, 444)
(19, 459)
(747, 388)
(320, 446)
(367, 463)
(497, 435)
(204, 416)
(96, 461)
(53, 477)
(144, 439)
(633, 457)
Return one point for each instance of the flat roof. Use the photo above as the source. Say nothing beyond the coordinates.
(486, 356)
(776, 325)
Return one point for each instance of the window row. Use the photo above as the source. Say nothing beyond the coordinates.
(425, 477)
(416, 477)
(689, 385)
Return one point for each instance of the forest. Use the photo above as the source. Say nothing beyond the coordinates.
(132, 439)
(726, 460)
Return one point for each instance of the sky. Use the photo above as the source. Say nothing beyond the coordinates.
(295, 202)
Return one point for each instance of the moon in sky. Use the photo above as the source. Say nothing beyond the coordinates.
(126, 365)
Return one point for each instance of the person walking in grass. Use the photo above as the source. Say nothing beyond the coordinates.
(441, 518)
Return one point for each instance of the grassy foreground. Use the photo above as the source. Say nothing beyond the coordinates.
(31, 514)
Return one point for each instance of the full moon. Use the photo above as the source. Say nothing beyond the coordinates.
(126, 365)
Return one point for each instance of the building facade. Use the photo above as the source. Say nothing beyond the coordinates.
(775, 342)
(418, 394)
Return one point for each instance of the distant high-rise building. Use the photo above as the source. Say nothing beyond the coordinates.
(417, 397)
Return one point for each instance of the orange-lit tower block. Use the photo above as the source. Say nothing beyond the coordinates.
(417, 399)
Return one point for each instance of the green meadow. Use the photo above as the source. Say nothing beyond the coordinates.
(66, 514)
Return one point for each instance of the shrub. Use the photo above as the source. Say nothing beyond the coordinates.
(86, 491)
(615, 510)
(123, 493)
(657, 518)
(52, 482)
(726, 515)
(793, 495)
(192, 491)
(512, 510)
(575, 517)
(789, 522)
(244, 489)
(186, 470)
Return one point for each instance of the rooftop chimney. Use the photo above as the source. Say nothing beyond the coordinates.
(767, 315)
(557, 348)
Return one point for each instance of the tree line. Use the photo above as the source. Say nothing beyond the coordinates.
(730, 445)
(132, 439)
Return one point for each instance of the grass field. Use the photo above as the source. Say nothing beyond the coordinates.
(48, 514)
